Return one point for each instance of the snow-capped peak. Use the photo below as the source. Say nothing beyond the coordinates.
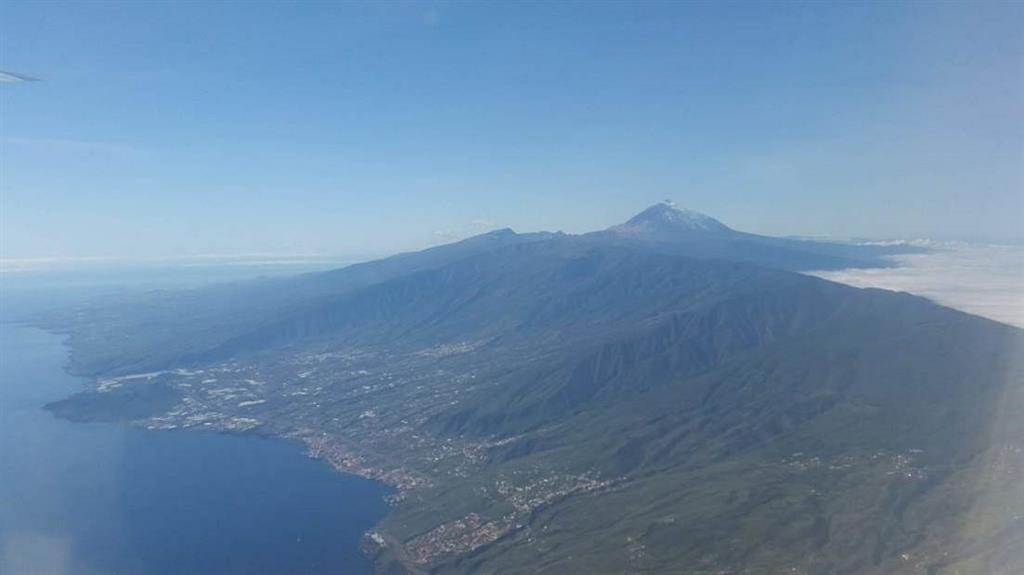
(666, 217)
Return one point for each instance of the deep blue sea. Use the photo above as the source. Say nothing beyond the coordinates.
(98, 499)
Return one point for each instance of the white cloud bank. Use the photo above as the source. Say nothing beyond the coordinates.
(982, 280)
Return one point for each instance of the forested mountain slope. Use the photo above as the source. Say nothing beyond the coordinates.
(595, 404)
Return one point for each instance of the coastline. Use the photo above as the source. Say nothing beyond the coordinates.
(312, 447)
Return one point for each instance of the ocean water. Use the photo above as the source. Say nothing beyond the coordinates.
(99, 499)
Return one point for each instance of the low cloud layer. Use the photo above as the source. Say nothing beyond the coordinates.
(982, 280)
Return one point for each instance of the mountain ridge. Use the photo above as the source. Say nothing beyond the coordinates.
(555, 403)
(220, 313)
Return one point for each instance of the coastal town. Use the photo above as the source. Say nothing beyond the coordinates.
(366, 414)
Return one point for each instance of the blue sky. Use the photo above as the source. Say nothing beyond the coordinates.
(163, 130)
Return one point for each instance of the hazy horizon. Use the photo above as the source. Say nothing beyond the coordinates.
(344, 257)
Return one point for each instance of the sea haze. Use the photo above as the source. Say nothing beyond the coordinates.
(101, 499)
